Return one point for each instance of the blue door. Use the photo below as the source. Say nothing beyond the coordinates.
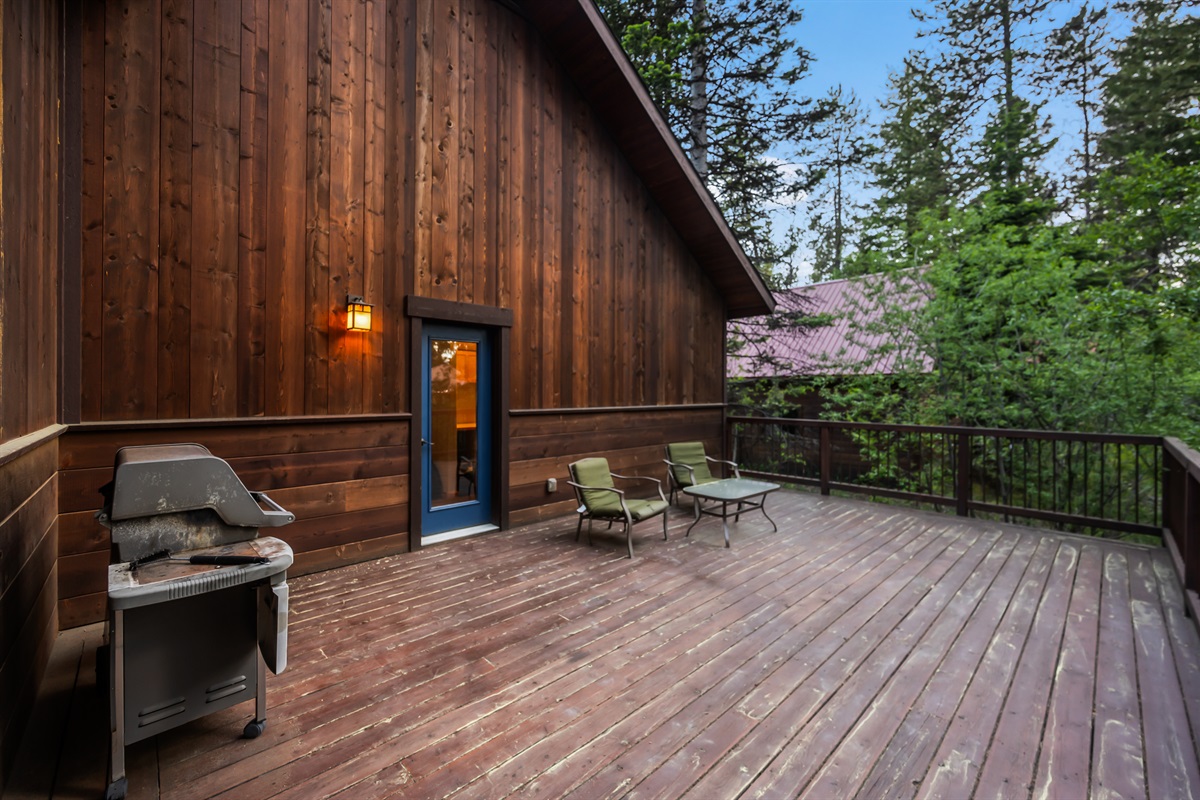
(456, 435)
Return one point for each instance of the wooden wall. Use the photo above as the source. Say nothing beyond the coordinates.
(244, 164)
(346, 480)
(542, 444)
(30, 52)
(248, 163)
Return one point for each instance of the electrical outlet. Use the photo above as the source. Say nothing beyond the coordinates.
(551, 485)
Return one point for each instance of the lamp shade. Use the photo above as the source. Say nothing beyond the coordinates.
(358, 314)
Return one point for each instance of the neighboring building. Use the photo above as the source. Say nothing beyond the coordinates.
(191, 190)
(826, 330)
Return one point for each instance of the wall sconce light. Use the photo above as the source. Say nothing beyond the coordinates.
(358, 314)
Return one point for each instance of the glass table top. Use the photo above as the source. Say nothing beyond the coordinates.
(731, 489)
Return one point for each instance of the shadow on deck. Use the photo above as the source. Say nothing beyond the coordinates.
(864, 650)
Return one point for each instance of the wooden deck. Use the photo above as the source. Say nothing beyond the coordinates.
(863, 651)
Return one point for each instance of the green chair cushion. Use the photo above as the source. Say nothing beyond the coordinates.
(692, 455)
(645, 509)
(595, 472)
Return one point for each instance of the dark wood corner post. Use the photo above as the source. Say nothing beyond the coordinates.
(499, 322)
(962, 476)
(70, 194)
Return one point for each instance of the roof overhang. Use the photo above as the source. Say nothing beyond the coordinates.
(593, 59)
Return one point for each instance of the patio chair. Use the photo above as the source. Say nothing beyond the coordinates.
(600, 499)
(687, 465)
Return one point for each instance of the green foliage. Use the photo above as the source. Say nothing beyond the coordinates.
(1151, 97)
(724, 74)
(1022, 336)
(1075, 60)
(913, 169)
(659, 53)
(842, 147)
(1147, 231)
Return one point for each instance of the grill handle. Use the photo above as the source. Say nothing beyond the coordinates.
(279, 516)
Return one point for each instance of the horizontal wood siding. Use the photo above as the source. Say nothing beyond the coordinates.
(30, 91)
(255, 162)
(633, 440)
(28, 583)
(346, 482)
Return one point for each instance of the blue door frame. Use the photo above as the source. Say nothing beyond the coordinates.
(439, 514)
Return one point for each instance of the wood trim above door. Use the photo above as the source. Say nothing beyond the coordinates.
(460, 313)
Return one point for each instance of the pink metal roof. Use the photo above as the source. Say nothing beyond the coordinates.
(856, 335)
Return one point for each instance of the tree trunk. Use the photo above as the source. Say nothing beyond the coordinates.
(698, 122)
(1012, 169)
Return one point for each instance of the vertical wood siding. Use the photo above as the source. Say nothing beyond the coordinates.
(247, 164)
(30, 94)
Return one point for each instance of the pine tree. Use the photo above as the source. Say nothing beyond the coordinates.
(724, 73)
(1147, 225)
(914, 169)
(1154, 89)
(985, 53)
(842, 147)
(1076, 58)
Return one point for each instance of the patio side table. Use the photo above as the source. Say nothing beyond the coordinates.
(740, 492)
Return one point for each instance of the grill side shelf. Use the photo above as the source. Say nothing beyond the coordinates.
(125, 591)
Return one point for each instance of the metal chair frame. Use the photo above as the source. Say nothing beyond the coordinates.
(627, 518)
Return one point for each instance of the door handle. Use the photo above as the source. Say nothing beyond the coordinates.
(428, 443)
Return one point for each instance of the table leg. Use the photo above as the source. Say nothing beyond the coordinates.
(762, 504)
(696, 510)
(725, 521)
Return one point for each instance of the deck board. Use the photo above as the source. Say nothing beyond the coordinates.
(863, 651)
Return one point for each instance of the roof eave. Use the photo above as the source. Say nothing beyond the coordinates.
(592, 57)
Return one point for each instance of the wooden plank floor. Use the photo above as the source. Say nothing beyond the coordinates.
(863, 651)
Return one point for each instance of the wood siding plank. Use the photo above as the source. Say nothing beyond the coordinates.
(348, 114)
(318, 146)
(215, 180)
(175, 212)
(284, 359)
(252, 211)
(91, 210)
(131, 134)
(375, 267)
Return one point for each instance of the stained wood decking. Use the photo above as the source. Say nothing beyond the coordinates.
(863, 651)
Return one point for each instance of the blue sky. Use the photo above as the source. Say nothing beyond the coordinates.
(856, 43)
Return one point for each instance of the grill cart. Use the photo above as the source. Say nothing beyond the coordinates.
(195, 596)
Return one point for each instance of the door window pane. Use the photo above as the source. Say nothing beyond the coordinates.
(453, 418)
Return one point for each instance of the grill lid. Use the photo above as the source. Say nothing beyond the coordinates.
(150, 480)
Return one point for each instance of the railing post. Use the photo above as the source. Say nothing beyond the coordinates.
(962, 475)
(1189, 538)
(826, 459)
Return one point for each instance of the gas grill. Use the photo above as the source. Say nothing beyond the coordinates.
(194, 594)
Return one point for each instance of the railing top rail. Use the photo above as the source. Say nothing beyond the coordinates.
(1012, 433)
(1186, 456)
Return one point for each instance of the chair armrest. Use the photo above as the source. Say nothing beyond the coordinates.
(619, 493)
(657, 482)
(691, 470)
(596, 488)
(730, 464)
